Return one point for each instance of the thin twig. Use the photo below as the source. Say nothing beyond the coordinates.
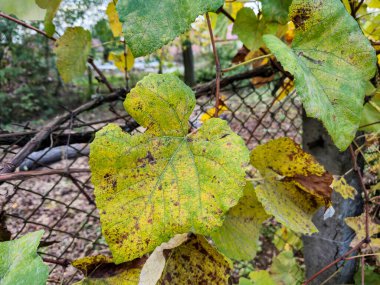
(363, 274)
(22, 175)
(225, 13)
(217, 67)
(362, 255)
(367, 125)
(355, 248)
(246, 62)
(364, 189)
(90, 60)
(62, 262)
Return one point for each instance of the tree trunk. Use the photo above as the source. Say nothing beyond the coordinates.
(334, 235)
(188, 62)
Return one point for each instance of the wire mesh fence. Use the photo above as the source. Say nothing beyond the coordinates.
(52, 190)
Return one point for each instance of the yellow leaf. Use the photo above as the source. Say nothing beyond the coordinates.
(296, 185)
(346, 4)
(233, 7)
(289, 35)
(343, 188)
(210, 113)
(119, 59)
(113, 18)
(286, 88)
(358, 225)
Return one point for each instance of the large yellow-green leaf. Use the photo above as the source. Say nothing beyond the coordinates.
(250, 29)
(51, 7)
(150, 24)
(72, 50)
(113, 18)
(20, 263)
(238, 237)
(276, 10)
(295, 185)
(332, 63)
(22, 9)
(100, 270)
(151, 186)
(195, 262)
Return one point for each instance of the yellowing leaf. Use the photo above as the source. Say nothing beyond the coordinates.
(152, 186)
(346, 4)
(233, 7)
(195, 262)
(358, 225)
(155, 264)
(119, 60)
(242, 221)
(113, 18)
(19, 262)
(51, 7)
(373, 3)
(72, 50)
(331, 66)
(289, 35)
(100, 270)
(371, 28)
(286, 88)
(296, 185)
(344, 189)
(284, 237)
(210, 113)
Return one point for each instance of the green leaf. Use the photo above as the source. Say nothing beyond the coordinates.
(285, 270)
(72, 50)
(295, 185)
(332, 63)
(20, 263)
(151, 186)
(150, 24)
(100, 270)
(250, 29)
(238, 236)
(276, 10)
(26, 10)
(51, 7)
(195, 262)
(371, 114)
(261, 277)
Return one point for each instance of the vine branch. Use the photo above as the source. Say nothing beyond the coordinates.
(217, 67)
(89, 60)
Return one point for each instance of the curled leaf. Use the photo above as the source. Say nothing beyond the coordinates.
(295, 186)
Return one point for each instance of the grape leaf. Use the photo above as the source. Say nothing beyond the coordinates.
(285, 270)
(26, 10)
(296, 185)
(332, 63)
(113, 18)
(261, 277)
(20, 263)
(276, 10)
(250, 29)
(195, 262)
(72, 50)
(51, 7)
(155, 264)
(358, 225)
(119, 59)
(151, 186)
(371, 114)
(100, 270)
(238, 236)
(341, 186)
(150, 24)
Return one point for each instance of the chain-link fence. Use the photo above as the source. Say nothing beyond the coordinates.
(52, 189)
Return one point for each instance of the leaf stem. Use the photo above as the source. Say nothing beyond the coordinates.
(217, 67)
(246, 62)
